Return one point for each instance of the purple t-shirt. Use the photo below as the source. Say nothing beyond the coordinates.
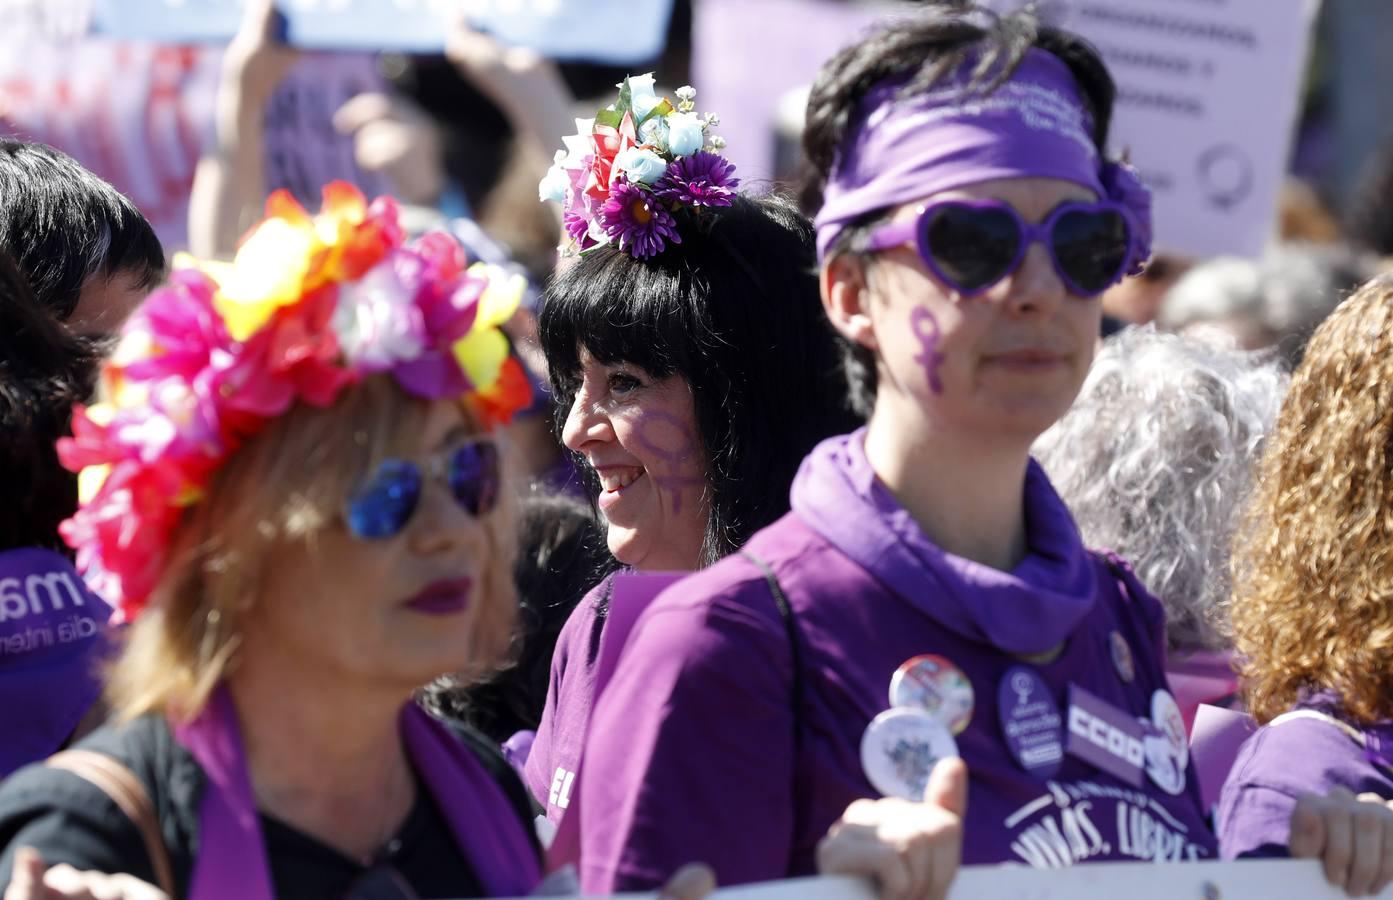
(693, 753)
(1285, 759)
(550, 770)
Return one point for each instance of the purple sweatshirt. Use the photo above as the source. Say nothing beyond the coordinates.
(692, 754)
(1291, 756)
(550, 770)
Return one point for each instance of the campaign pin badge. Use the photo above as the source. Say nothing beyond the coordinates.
(1122, 656)
(1104, 736)
(933, 684)
(899, 749)
(1031, 721)
(1167, 747)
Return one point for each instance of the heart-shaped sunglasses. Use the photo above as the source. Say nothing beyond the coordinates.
(384, 504)
(973, 244)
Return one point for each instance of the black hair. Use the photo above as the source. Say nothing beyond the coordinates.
(63, 225)
(734, 311)
(920, 50)
(44, 370)
(561, 555)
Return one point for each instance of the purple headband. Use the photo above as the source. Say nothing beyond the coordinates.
(1034, 125)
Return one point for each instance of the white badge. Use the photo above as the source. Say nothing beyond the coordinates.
(1167, 747)
(900, 748)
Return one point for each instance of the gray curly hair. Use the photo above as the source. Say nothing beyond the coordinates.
(1154, 459)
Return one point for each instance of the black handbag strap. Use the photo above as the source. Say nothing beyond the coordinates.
(791, 627)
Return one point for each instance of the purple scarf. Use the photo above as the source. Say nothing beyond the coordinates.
(1033, 126)
(1030, 609)
(232, 858)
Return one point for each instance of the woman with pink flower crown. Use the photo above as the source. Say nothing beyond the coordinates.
(294, 497)
(950, 637)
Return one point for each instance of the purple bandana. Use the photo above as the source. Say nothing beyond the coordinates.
(1033, 126)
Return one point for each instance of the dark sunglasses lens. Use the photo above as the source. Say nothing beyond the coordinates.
(385, 504)
(1091, 248)
(475, 478)
(971, 248)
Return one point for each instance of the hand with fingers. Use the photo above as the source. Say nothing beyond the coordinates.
(1351, 836)
(32, 880)
(395, 137)
(912, 850)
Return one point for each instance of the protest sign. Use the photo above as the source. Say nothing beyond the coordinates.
(1282, 879)
(1206, 107)
(561, 29)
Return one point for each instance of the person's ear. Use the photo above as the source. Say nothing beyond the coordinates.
(846, 298)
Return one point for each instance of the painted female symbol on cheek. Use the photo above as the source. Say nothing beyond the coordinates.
(925, 328)
(670, 440)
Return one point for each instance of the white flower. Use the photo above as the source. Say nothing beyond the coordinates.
(640, 165)
(642, 97)
(713, 119)
(377, 321)
(685, 135)
(654, 132)
(686, 93)
(553, 186)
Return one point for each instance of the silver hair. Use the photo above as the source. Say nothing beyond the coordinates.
(1154, 458)
(1285, 295)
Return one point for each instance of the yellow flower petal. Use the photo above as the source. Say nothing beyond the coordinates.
(269, 273)
(501, 298)
(90, 481)
(480, 354)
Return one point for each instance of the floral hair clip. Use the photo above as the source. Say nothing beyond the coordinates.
(627, 174)
(311, 305)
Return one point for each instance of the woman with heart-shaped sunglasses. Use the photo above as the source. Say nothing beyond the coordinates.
(943, 601)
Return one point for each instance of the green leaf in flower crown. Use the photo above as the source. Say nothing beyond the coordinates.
(626, 98)
(609, 117)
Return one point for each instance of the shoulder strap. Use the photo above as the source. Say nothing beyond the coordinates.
(125, 790)
(785, 613)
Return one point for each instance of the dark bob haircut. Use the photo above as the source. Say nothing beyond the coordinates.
(63, 225)
(44, 370)
(923, 49)
(734, 311)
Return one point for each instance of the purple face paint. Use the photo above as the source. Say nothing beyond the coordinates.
(925, 328)
(669, 439)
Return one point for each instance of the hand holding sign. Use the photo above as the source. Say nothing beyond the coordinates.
(911, 849)
(1351, 836)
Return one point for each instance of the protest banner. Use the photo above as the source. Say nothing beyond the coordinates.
(561, 29)
(1206, 107)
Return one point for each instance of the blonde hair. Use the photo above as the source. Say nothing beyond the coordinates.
(282, 489)
(1312, 605)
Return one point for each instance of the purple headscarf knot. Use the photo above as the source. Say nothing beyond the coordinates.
(1034, 125)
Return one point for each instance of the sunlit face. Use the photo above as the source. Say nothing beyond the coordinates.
(1007, 362)
(639, 435)
(393, 612)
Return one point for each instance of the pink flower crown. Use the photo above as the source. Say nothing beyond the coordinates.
(641, 160)
(311, 305)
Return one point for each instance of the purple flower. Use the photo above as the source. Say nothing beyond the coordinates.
(637, 221)
(702, 179)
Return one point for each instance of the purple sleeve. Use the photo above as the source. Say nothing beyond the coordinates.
(536, 772)
(1275, 767)
(690, 754)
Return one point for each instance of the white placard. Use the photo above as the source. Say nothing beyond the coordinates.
(1207, 102)
(1282, 879)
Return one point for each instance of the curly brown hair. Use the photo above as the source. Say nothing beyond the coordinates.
(1312, 605)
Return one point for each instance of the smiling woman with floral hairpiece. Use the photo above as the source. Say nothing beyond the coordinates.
(690, 361)
(294, 495)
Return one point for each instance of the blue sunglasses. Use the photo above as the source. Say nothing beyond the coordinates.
(381, 508)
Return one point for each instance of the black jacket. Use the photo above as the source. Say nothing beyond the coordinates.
(68, 820)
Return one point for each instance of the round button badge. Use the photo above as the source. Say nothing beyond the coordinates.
(1167, 747)
(1031, 722)
(1122, 656)
(935, 685)
(899, 749)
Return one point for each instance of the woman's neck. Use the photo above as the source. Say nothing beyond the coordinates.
(323, 757)
(966, 494)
